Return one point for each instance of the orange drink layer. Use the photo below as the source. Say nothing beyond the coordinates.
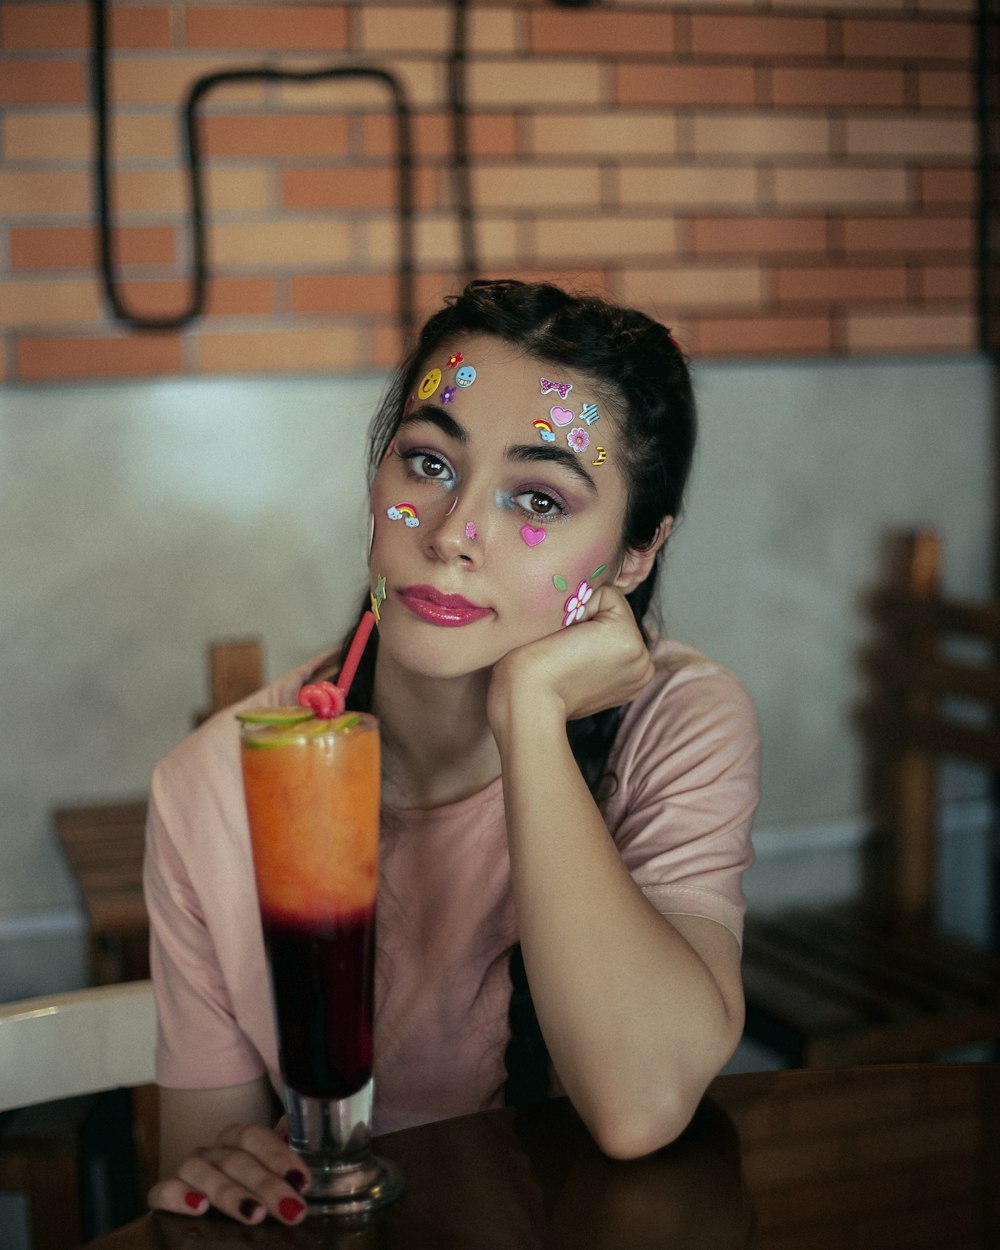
(312, 793)
(313, 803)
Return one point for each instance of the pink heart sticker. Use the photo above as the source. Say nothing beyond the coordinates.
(532, 536)
(561, 416)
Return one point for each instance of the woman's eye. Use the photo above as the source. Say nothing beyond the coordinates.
(538, 503)
(424, 464)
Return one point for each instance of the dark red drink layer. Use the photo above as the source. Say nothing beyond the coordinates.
(322, 982)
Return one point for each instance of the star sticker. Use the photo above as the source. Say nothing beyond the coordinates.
(378, 598)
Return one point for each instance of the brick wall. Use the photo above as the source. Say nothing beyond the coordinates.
(772, 177)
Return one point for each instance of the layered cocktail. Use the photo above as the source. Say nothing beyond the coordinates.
(312, 794)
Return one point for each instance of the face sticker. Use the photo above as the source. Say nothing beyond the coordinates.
(589, 414)
(578, 439)
(562, 389)
(597, 573)
(471, 533)
(452, 506)
(602, 455)
(448, 394)
(455, 359)
(465, 376)
(371, 535)
(532, 536)
(576, 605)
(559, 582)
(562, 416)
(544, 428)
(403, 512)
(432, 380)
(378, 598)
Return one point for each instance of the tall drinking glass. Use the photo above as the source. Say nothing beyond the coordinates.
(312, 794)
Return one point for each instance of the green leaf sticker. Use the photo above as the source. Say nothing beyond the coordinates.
(598, 572)
(559, 583)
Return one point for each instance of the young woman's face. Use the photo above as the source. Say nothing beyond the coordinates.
(500, 494)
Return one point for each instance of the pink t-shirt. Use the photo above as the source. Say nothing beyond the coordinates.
(686, 759)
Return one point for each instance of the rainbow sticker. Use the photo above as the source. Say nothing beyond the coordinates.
(544, 428)
(403, 512)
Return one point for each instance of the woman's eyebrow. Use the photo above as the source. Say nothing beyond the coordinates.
(428, 414)
(524, 453)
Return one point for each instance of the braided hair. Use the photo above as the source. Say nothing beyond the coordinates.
(642, 378)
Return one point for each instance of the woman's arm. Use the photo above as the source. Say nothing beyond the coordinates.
(639, 1013)
(248, 1171)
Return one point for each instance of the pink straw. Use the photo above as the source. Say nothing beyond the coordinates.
(350, 665)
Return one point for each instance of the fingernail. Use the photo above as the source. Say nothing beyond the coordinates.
(193, 1200)
(249, 1208)
(291, 1208)
(298, 1180)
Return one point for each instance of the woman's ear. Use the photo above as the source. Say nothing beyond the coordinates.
(636, 564)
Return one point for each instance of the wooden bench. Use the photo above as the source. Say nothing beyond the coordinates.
(876, 981)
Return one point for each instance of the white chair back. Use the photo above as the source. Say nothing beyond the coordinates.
(76, 1043)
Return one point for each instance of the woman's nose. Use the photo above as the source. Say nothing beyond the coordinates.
(453, 534)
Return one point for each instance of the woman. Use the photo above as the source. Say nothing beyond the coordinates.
(566, 801)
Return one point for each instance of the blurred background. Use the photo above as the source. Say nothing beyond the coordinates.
(215, 241)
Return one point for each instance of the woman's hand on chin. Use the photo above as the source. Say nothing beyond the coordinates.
(248, 1173)
(596, 663)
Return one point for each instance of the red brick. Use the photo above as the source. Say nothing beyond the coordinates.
(43, 26)
(315, 28)
(42, 82)
(908, 234)
(842, 284)
(764, 336)
(836, 87)
(44, 359)
(601, 33)
(911, 38)
(948, 186)
(683, 84)
(75, 247)
(947, 282)
(368, 187)
(946, 89)
(738, 236)
(736, 35)
(370, 294)
(275, 134)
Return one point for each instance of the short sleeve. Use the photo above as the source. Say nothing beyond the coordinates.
(200, 1044)
(687, 769)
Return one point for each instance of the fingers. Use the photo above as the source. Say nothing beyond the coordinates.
(248, 1174)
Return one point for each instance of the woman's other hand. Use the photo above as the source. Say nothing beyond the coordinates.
(596, 663)
(248, 1172)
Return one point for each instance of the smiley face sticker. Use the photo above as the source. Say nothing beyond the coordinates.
(465, 376)
(430, 383)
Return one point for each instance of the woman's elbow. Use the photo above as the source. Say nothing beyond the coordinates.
(622, 1133)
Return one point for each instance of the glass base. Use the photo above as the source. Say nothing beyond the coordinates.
(332, 1136)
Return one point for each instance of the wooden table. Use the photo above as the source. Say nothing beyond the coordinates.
(850, 1159)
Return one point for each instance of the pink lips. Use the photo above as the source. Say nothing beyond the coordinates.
(441, 609)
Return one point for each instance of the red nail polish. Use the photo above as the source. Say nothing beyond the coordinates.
(193, 1200)
(298, 1180)
(291, 1208)
(248, 1208)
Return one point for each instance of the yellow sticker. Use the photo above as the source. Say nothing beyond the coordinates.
(429, 385)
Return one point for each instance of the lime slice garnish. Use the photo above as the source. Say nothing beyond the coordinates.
(289, 714)
(296, 734)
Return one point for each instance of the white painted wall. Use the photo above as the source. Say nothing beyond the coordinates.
(140, 520)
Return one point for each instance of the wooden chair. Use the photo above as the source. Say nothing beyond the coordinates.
(48, 1146)
(876, 982)
(103, 843)
(66, 1064)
